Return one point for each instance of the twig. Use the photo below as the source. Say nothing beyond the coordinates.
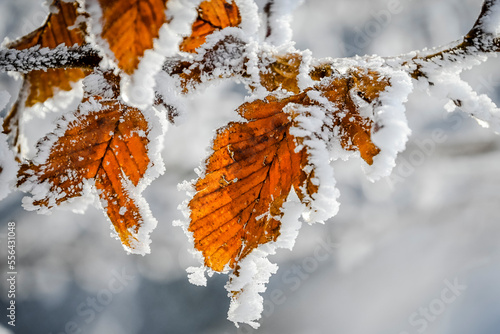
(268, 8)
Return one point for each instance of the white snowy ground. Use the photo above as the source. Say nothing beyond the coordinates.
(416, 253)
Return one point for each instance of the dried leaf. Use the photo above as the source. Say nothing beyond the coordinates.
(213, 15)
(247, 179)
(106, 142)
(129, 27)
(59, 28)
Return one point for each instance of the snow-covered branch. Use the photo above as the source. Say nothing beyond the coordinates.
(483, 39)
(36, 58)
(440, 68)
(267, 12)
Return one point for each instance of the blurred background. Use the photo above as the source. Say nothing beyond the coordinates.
(418, 252)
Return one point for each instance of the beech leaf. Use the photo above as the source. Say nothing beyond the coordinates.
(247, 179)
(129, 27)
(105, 141)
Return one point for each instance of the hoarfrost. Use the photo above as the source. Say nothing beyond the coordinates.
(8, 166)
(491, 22)
(279, 21)
(245, 289)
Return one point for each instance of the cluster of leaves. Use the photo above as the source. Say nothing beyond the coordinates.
(105, 140)
(302, 114)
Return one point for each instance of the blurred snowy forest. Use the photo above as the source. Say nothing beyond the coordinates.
(418, 252)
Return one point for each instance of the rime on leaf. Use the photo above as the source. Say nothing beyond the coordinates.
(345, 120)
(282, 73)
(40, 85)
(354, 128)
(108, 145)
(129, 27)
(213, 15)
(211, 62)
(255, 164)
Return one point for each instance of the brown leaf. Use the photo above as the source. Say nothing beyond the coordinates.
(57, 29)
(355, 129)
(282, 73)
(192, 73)
(129, 27)
(349, 125)
(213, 15)
(107, 144)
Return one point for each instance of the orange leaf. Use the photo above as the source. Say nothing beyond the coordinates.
(129, 27)
(213, 15)
(57, 29)
(247, 179)
(107, 143)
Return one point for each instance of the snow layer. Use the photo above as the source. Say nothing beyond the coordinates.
(491, 22)
(279, 21)
(156, 133)
(389, 115)
(196, 275)
(8, 165)
(245, 289)
(255, 270)
(250, 21)
(443, 80)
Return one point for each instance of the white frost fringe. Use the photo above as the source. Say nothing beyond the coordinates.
(255, 269)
